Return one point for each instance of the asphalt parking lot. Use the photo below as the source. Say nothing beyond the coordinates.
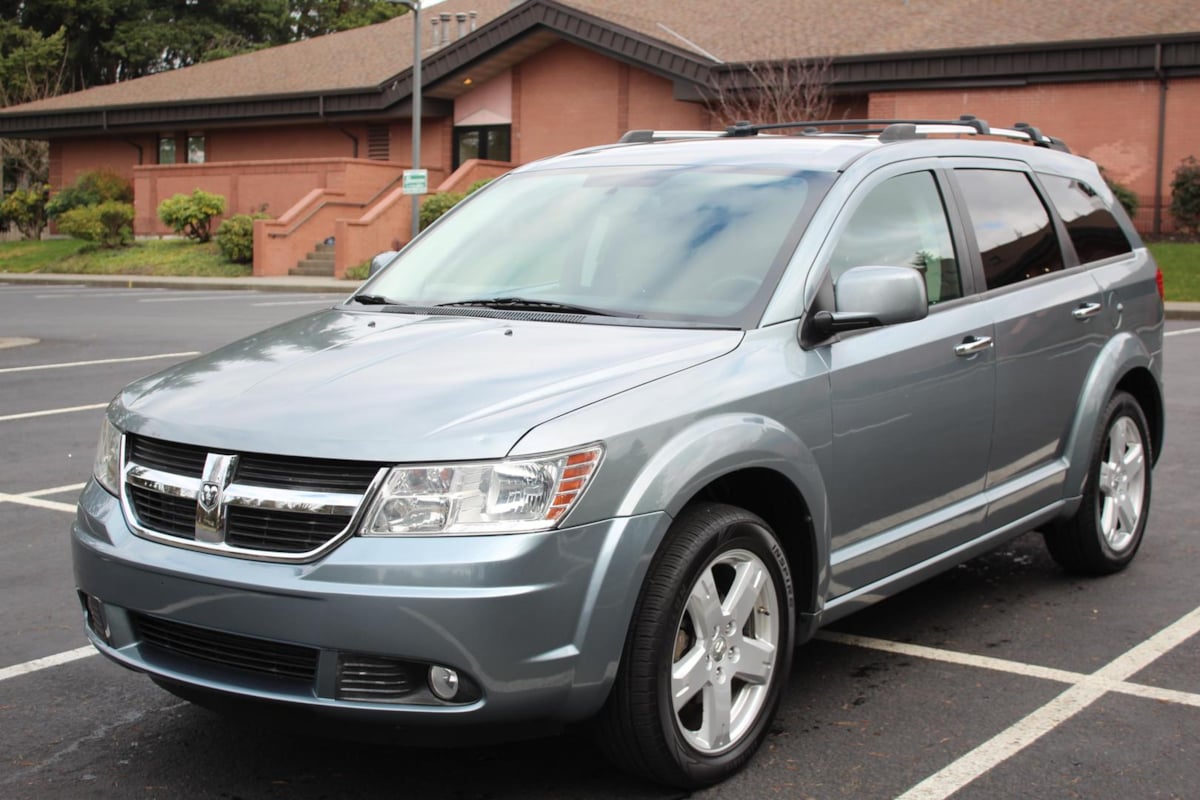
(1002, 678)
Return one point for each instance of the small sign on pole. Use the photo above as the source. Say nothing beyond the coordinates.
(416, 181)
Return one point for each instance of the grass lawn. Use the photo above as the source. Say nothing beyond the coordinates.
(149, 257)
(1180, 263)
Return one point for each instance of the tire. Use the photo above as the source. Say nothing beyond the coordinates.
(1104, 534)
(715, 624)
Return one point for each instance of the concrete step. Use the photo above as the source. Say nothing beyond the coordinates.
(321, 255)
(324, 248)
(313, 268)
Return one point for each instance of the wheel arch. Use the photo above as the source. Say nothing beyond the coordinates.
(1123, 365)
(757, 464)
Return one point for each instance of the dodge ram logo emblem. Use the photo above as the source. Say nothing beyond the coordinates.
(210, 494)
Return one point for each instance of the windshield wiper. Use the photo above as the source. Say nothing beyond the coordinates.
(373, 300)
(529, 304)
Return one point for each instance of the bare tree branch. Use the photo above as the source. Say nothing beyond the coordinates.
(782, 91)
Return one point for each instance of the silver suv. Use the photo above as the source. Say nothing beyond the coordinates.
(619, 432)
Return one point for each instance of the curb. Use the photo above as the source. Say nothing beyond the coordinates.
(1173, 309)
(279, 284)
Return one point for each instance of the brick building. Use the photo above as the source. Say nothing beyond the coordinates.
(317, 132)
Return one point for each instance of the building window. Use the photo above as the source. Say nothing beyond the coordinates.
(166, 149)
(491, 142)
(195, 148)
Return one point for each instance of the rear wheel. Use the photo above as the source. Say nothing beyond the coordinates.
(707, 654)
(1104, 534)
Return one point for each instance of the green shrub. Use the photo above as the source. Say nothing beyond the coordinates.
(1125, 196)
(1185, 196)
(192, 215)
(108, 224)
(437, 204)
(359, 272)
(90, 189)
(26, 209)
(235, 237)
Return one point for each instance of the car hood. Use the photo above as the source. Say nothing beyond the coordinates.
(400, 387)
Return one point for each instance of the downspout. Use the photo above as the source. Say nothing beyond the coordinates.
(342, 131)
(1161, 74)
(137, 147)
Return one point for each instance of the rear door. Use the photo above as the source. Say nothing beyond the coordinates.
(1049, 327)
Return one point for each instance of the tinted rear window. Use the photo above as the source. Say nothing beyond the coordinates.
(1012, 227)
(1093, 229)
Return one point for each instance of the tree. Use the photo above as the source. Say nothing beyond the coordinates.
(786, 91)
(31, 66)
(106, 41)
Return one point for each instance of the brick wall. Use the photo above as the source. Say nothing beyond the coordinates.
(1113, 123)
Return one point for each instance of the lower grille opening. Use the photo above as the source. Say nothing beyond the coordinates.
(376, 679)
(247, 653)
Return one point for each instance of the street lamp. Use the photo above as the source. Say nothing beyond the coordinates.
(415, 7)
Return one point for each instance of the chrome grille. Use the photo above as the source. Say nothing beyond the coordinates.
(281, 531)
(162, 512)
(226, 649)
(375, 679)
(249, 505)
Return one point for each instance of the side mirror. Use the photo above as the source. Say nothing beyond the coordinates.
(869, 297)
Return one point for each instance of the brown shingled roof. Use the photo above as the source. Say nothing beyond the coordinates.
(705, 31)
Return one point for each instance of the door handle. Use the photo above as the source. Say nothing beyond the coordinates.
(972, 345)
(1086, 311)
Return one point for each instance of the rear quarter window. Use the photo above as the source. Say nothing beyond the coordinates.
(1092, 227)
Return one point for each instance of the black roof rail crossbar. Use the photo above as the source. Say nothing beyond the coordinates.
(1041, 139)
(748, 129)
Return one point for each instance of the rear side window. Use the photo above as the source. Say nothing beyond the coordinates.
(1092, 227)
(1012, 227)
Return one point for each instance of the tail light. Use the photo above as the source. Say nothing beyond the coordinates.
(1158, 280)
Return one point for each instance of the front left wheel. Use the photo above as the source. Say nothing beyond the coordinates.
(708, 651)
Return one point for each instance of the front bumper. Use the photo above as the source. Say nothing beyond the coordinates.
(536, 621)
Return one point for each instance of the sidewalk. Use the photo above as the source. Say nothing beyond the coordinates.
(289, 283)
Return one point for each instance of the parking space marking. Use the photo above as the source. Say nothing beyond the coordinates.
(127, 360)
(1183, 332)
(51, 411)
(325, 302)
(188, 297)
(1012, 667)
(1028, 730)
(90, 295)
(70, 487)
(49, 661)
(37, 502)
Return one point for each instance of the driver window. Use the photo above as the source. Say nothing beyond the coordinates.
(902, 223)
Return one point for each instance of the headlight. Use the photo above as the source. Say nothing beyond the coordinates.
(107, 466)
(511, 496)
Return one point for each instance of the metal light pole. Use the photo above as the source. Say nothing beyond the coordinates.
(415, 7)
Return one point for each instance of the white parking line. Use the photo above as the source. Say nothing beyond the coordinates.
(1183, 332)
(1025, 732)
(49, 661)
(37, 502)
(70, 487)
(127, 360)
(52, 411)
(90, 295)
(325, 302)
(188, 297)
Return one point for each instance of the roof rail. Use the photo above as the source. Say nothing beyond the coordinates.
(888, 130)
(642, 136)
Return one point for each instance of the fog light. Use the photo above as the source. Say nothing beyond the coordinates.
(443, 682)
(97, 620)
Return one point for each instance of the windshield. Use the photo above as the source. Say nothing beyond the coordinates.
(692, 244)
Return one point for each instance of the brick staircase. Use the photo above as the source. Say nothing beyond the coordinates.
(318, 263)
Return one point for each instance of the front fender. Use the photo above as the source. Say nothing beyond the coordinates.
(723, 444)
